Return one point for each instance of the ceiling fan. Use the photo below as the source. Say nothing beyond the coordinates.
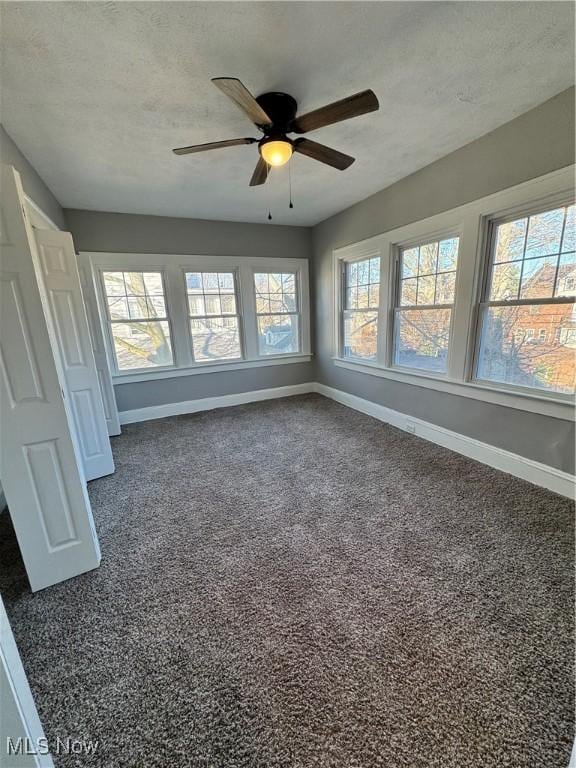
(274, 114)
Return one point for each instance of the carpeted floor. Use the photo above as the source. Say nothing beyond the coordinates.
(291, 584)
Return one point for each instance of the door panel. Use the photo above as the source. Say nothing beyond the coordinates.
(102, 367)
(39, 465)
(62, 285)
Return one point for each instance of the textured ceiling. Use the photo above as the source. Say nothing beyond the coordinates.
(97, 93)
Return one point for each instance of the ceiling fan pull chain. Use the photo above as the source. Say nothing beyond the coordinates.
(268, 190)
(290, 182)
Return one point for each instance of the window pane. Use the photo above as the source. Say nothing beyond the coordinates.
(544, 233)
(212, 304)
(277, 334)
(445, 286)
(134, 283)
(410, 262)
(408, 291)
(360, 334)
(427, 262)
(422, 337)
(262, 305)
(505, 283)
(153, 283)
(566, 282)
(114, 284)
(261, 282)
(274, 282)
(510, 240)
(352, 274)
(210, 282)
(194, 282)
(362, 297)
(228, 303)
(352, 298)
(426, 289)
(226, 282)
(215, 338)
(142, 345)
(196, 305)
(118, 308)
(363, 272)
(529, 346)
(538, 278)
(448, 255)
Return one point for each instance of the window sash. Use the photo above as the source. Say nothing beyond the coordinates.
(237, 315)
(297, 313)
(398, 307)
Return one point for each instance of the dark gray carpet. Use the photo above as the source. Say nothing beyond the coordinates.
(292, 584)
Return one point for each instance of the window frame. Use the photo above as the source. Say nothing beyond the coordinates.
(471, 223)
(490, 226)
(454, 232)
(173, 268)
(107, 326)
(298, 313)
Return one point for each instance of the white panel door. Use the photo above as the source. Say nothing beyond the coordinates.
(97, 337)
(22, 741)
(66, 306)
(39, 466)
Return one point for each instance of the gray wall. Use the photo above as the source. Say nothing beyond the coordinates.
(536, 143)
(128, 233)
(33, 185)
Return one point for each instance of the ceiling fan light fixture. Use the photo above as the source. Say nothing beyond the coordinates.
(276, 152)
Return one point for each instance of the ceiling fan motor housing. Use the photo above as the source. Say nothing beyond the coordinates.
(281, 108)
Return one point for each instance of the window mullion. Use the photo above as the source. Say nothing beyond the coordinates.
(461, 349)
(385, 301)
(177, 311)
(247, 296)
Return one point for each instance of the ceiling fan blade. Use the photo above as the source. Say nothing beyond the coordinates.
(358, 104)
(212, 145)
(237, 91)
(260, 173)
(323, 153)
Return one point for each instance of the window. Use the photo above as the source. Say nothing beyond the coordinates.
(166, 316)
(423, 312)
(531, 276)
(361, 302)
(213, 308)
(138, 319)
(277, 313)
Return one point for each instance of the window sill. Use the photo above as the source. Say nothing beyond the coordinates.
(543, 404)
(203, 368)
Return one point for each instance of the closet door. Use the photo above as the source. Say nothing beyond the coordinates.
(97, 339)
(20, 727)
(66, 306)
(39, 465)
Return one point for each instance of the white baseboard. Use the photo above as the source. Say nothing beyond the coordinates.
(209, 403)
(519, 466)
